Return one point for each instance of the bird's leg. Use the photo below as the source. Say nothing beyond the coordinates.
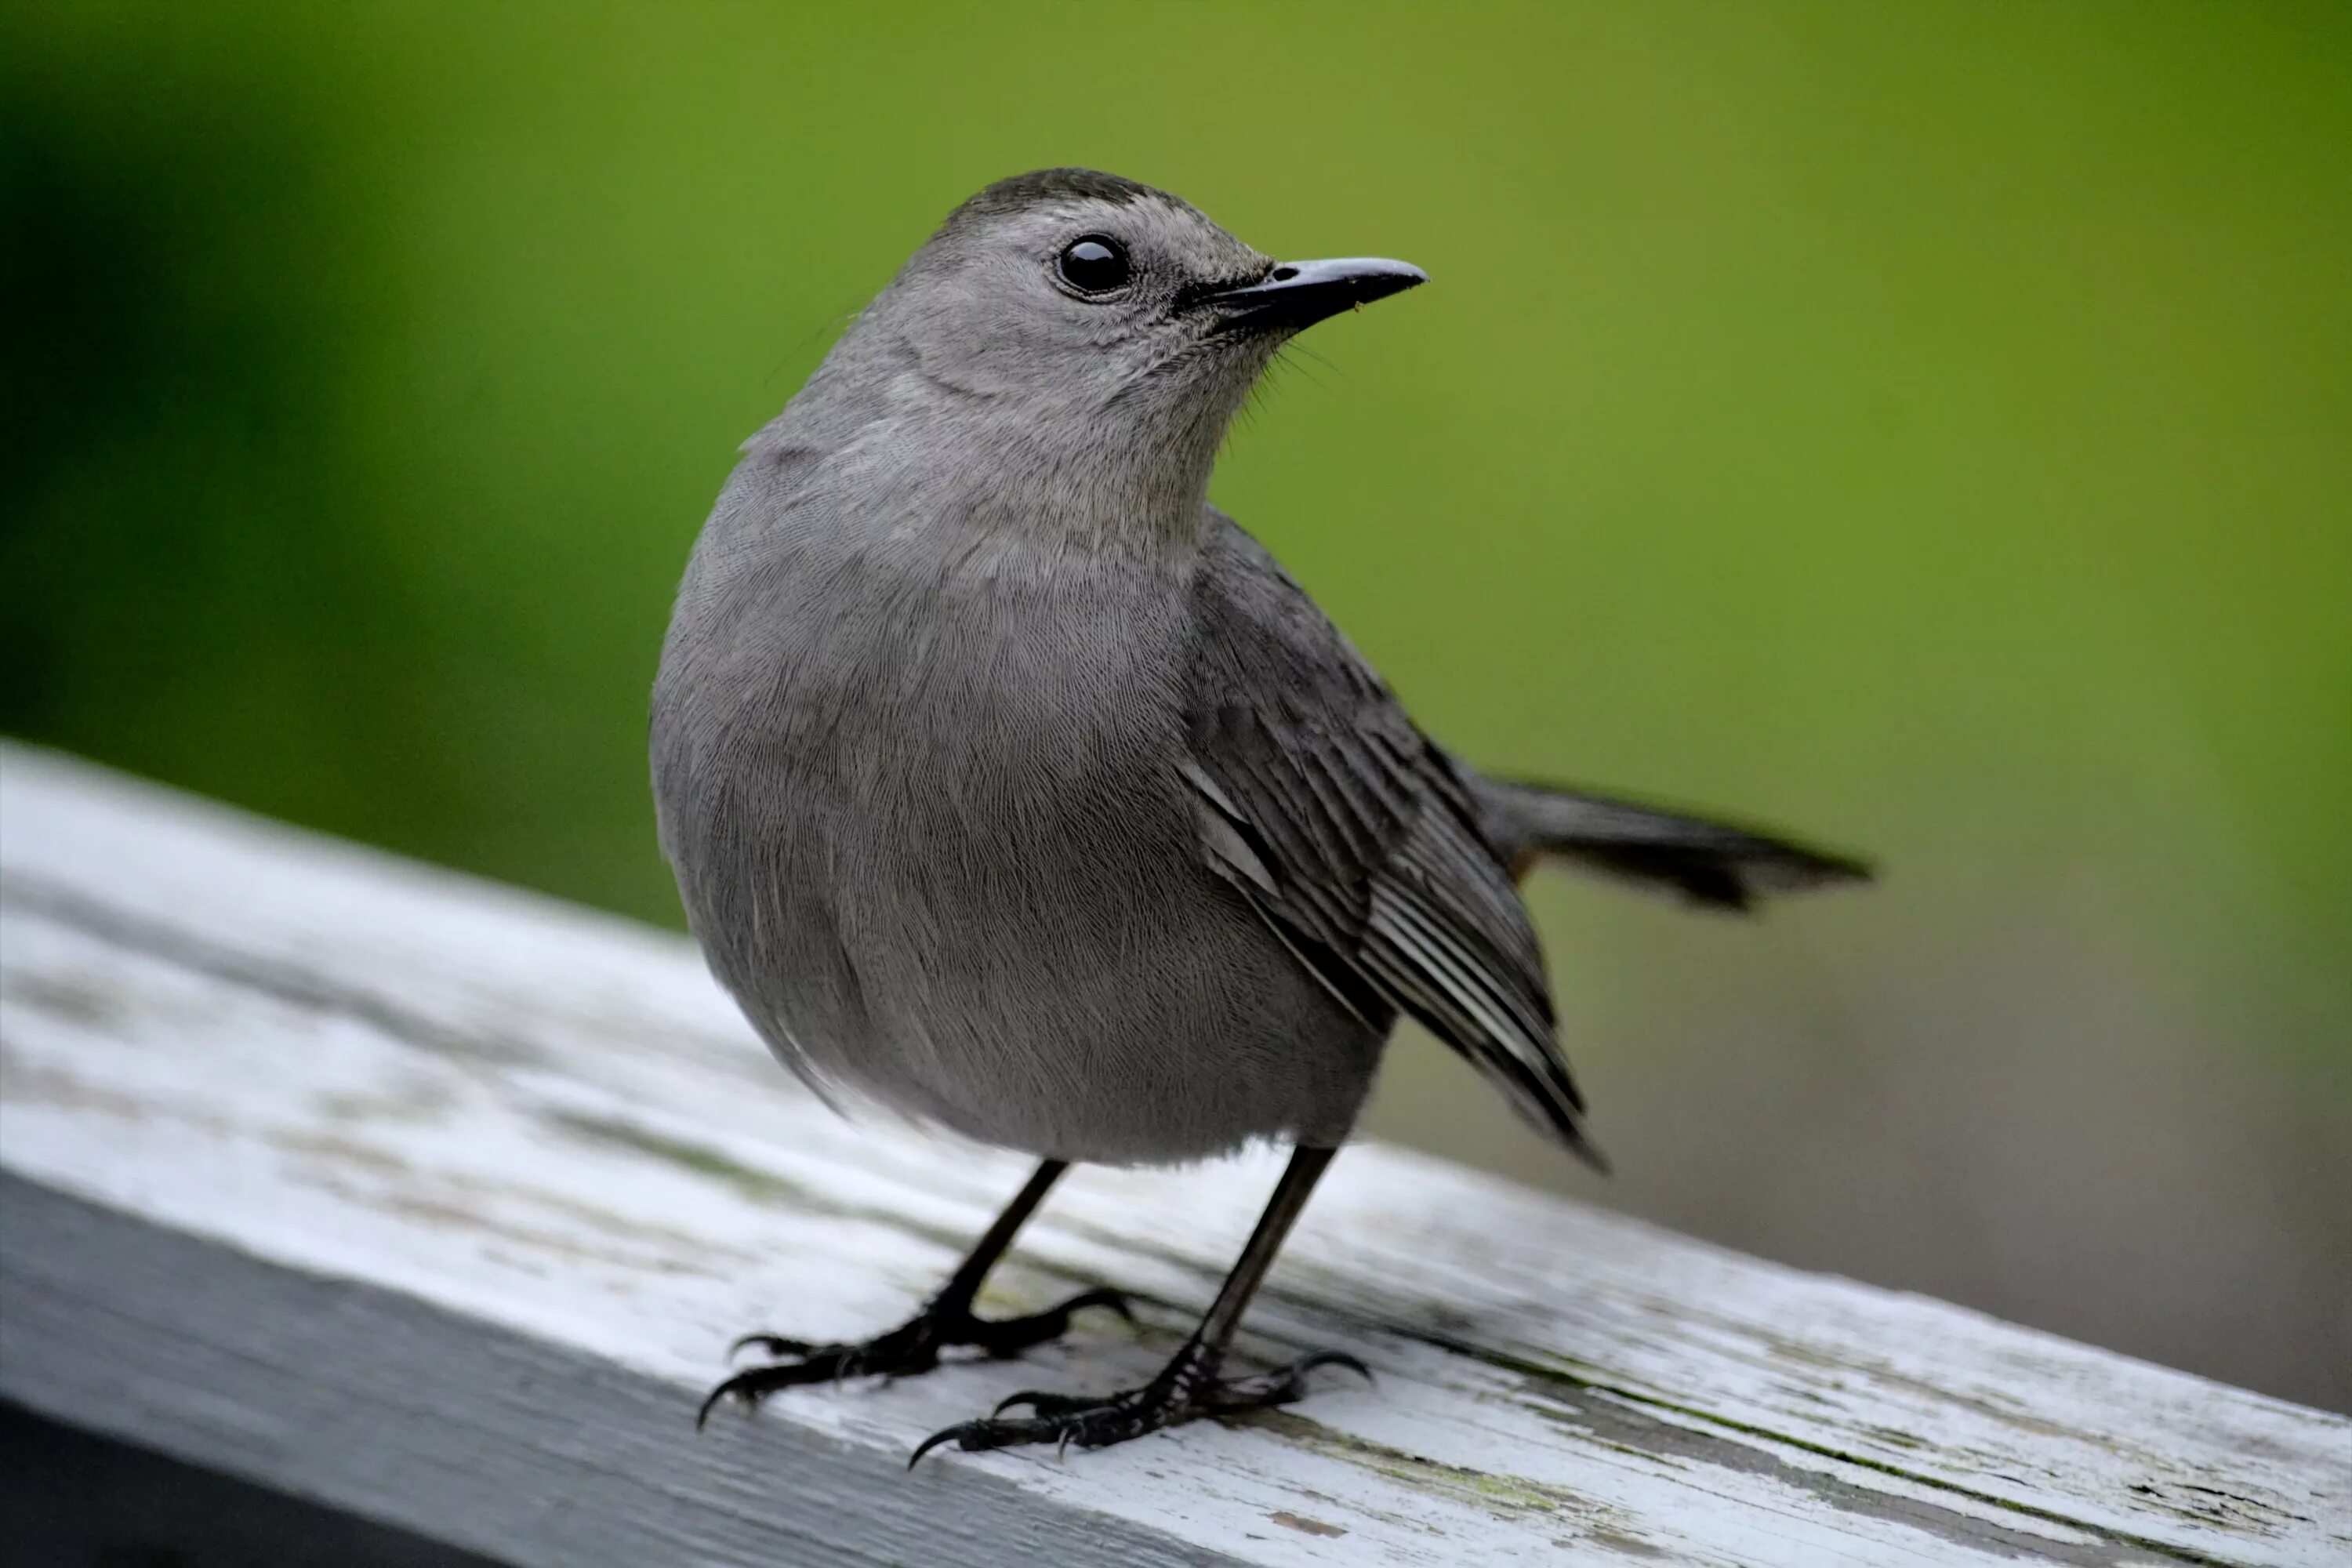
(945, 1320)
(1187, 1387)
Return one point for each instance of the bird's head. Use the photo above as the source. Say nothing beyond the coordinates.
(1106, 311)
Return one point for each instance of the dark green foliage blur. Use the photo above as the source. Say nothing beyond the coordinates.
(1927, 427)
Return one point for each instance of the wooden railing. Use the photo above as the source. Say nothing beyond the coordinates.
(437, 1203)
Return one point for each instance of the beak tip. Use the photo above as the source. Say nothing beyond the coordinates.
(1297, 294)
(1376, 272)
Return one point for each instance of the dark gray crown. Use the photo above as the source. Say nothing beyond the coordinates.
(1040, 187)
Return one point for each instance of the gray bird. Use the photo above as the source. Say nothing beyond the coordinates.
(1010, 784)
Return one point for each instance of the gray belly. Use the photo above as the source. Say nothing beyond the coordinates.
(959, 875)
(1148, 1018)
(1061, 975)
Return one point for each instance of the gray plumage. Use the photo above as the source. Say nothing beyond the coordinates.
(1012, 785)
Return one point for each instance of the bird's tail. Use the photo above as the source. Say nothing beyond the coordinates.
(1711, 863)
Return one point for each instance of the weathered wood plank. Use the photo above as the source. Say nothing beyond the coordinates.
(439, 1201)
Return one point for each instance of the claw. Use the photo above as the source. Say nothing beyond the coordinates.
(912, 1347)
(944, 1434)
(1008, 1339)
(1284, 1385)
(769, 1344)
(1307, 1363)
(1186, 1391)
(1028, 1396)
(1043, 1407)
(710, 1401)
(1102, 1296)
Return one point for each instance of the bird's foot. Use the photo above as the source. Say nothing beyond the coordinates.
(1187, 1390)
(910, 1348)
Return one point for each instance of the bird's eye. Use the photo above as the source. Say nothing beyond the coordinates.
(1095, 265)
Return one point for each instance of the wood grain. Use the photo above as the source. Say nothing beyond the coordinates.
(440, 1201)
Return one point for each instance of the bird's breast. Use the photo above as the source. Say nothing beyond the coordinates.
(893, 755)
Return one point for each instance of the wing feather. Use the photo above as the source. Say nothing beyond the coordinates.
(1356, 838)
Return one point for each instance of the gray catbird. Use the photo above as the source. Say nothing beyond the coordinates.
(1012, 785)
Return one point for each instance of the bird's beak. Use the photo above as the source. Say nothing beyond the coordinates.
(1298, 294)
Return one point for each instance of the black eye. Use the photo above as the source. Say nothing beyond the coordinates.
(1095, 265)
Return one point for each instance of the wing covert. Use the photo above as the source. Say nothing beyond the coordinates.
(1356, 838)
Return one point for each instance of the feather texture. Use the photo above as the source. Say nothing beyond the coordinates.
(1359, 839)
(1718, 865)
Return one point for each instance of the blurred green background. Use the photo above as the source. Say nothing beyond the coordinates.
(1927, 427)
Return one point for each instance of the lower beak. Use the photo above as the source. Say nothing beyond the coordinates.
(1298, 294)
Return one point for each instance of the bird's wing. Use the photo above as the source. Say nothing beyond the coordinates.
(1355, 837)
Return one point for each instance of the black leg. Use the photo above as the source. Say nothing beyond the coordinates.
(1187, 1387)
(946, 1319)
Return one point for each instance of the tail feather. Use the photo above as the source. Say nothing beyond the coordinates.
(1711, 863)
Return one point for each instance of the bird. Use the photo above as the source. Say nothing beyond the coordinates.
(1010, 786)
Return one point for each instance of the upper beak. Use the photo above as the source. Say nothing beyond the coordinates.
(1300, 293)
